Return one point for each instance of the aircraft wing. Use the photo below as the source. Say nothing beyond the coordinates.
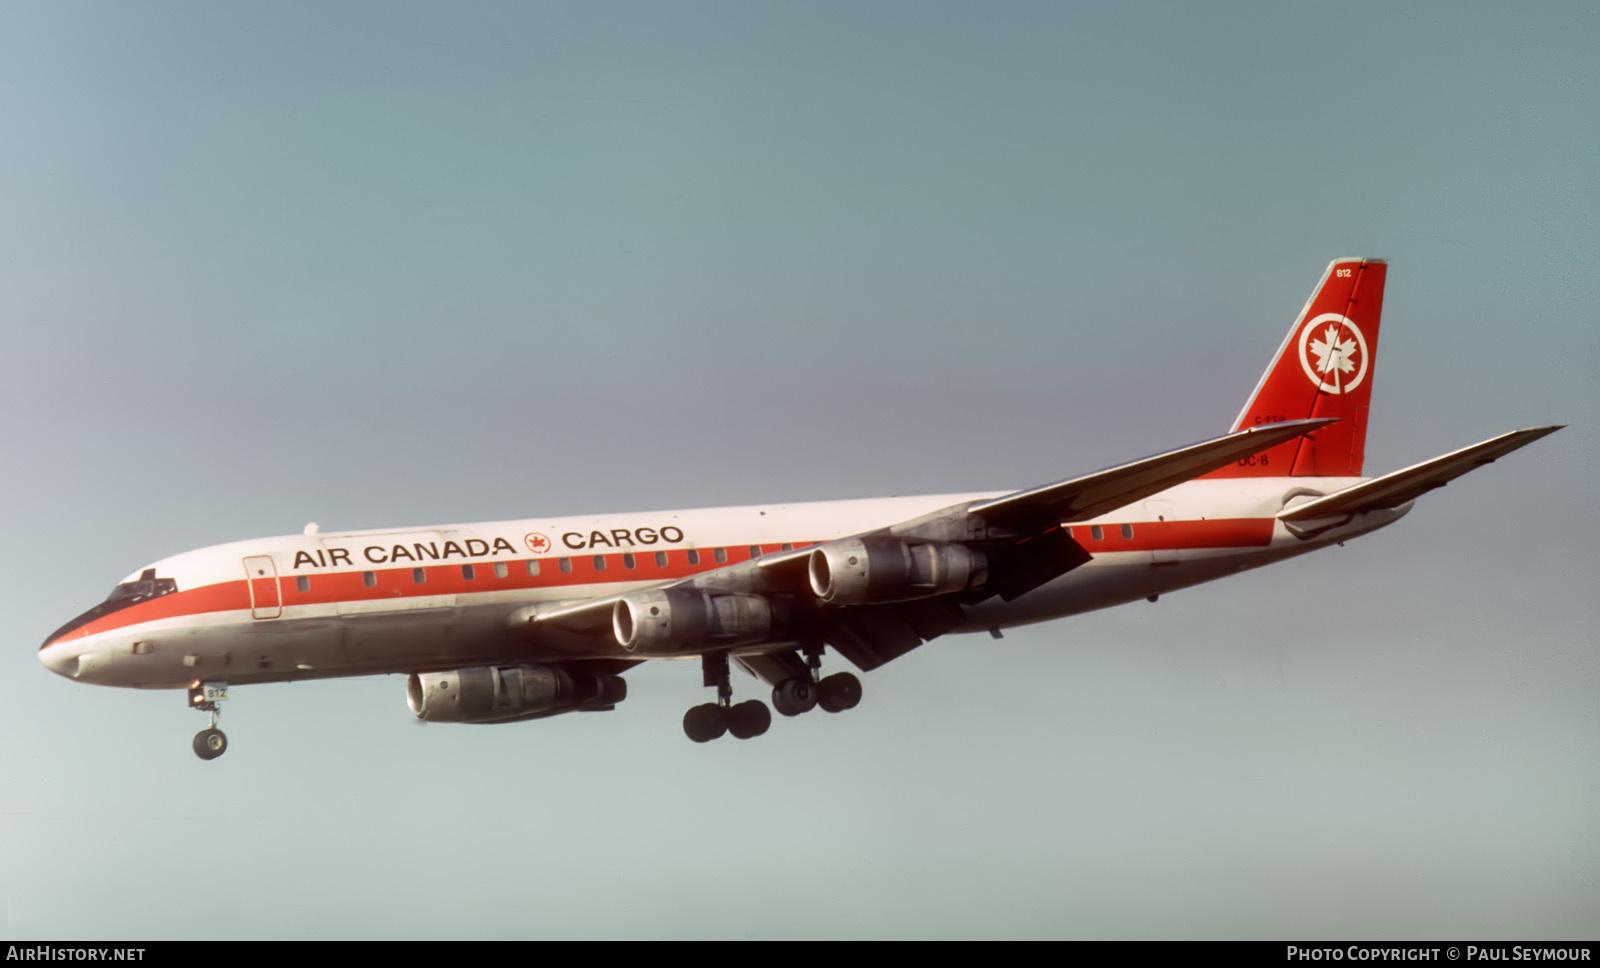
(1392, 490)
(1104, 491)
(1019, 532)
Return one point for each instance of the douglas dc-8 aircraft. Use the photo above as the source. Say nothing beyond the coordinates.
(515, 620)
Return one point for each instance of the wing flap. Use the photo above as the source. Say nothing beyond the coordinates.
(872, 635)
(1104, 491)
(1394, 489)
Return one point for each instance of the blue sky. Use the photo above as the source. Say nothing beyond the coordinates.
(380, 264)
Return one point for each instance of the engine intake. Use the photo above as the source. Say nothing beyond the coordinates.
(664, 621)
(504, 694)
(875, 569)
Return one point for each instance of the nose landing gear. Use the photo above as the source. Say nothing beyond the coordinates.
(212, 742)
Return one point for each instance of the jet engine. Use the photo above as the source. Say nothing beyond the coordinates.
(504, 694)
(878, 568)
(667, 620)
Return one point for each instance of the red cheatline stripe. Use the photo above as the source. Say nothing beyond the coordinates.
(1178, 535)
(396, 583)
(448, 579)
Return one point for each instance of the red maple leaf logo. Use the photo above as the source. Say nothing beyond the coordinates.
(536, 542)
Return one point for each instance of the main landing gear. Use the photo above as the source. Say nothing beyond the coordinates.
(790, 697)
(212, 742)
(803, 693)
(707, 722)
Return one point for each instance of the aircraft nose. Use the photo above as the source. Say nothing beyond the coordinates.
(60, 658)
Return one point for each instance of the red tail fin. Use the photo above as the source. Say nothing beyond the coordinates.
(1323, 369)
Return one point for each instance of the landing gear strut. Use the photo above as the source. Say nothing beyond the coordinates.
(709, 721)
(212, 742)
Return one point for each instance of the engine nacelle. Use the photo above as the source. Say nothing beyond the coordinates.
(663, 621)
(861, 571)
(503, 694)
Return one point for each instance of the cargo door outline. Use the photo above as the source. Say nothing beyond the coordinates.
(266, 598)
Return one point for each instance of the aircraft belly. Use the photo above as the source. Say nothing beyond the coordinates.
(372, 643)
(1117, 579)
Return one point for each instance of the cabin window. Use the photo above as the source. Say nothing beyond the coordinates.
(694, 556)
(1096, 532)
(500, 569)
(599, 562)
(661, 559)
(369, 579)
(303, 583)
(755, 551)
(419, 575)
(627, 561)
(721, 555)
(566, 566)
(786, 546)
(1127, 532)
(533, 567)
(468, 573)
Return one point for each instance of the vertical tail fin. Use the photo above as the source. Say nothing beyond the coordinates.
(1323, 369)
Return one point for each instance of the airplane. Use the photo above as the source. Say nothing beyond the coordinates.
(517, 620)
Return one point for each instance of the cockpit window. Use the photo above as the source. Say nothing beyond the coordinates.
(148, 586)
(142, 589)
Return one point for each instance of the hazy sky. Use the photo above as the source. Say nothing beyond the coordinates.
(380, 264)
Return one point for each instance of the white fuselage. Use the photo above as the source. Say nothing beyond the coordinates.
(432, 598)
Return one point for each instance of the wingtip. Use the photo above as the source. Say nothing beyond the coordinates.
(1537, 432)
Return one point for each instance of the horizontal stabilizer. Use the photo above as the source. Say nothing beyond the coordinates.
(1104, 491)
(1393, 490)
